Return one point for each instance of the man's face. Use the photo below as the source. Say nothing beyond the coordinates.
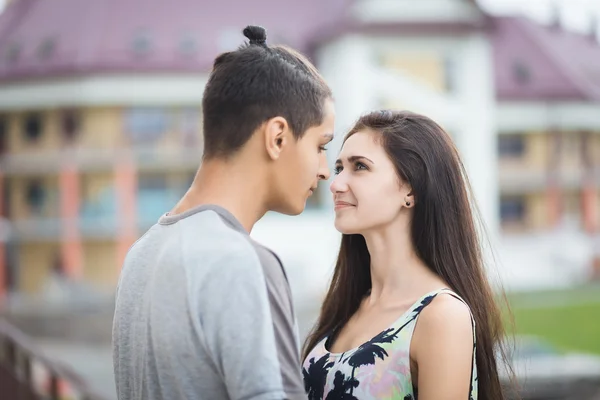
(303, 164)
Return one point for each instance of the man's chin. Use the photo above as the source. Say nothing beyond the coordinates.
(292, 209)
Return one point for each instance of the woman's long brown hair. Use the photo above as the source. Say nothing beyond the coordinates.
(443, 231)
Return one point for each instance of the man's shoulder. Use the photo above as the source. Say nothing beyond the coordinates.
(207, 232)
(208, 224)
(266, 255)
(270, 261)
(224, 242)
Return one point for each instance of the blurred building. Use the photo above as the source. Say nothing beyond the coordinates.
(548, 122)
(548, 116)
(432, 57)
(100, 122)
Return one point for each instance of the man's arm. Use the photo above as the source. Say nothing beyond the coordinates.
(245, 328)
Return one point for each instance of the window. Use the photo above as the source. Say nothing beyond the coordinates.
(450, 73)
(35, 196)
(46, 48)
(3, 134)
(13, 53)
(434, 70)
(512, 209)
(5, 209)
(521, 72)
(188, 46)
(141, 43)
(146, 125)
(70, 125)
(511, 146)
(32, 127)
(189, 126)
(152, 182)
(155, 196)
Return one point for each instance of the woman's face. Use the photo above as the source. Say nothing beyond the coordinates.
(367, 192)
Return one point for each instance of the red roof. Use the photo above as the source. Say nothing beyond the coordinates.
(49, 38)
(544, 62)
(54, 37)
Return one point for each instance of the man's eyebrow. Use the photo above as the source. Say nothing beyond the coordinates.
(328, 136)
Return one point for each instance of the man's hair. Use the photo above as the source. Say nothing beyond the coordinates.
(255, 83)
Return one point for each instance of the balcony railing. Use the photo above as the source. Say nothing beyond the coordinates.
(99, 220)
(90, 160)
(26, 374)
(528, 180)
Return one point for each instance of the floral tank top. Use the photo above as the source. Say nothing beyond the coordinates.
(378, 369)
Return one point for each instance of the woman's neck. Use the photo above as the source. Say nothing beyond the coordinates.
(397, 272)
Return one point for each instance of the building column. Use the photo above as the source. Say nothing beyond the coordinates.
(3, 236)
(126, 190)
(71, 248)
(553, 192)
(340, 62)
(589, 199)
(589, 211)
(589, 202)
(476, 136)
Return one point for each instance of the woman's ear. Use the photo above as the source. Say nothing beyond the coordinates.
(409, 200)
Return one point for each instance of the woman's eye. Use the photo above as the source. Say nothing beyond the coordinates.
(337, 170)
(359, 166)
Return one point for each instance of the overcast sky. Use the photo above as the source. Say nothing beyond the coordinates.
(575, 14)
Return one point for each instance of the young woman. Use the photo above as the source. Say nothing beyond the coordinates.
(409, 312)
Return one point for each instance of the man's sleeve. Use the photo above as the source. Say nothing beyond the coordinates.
(240, 333)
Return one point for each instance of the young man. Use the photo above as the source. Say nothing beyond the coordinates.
(203, 311)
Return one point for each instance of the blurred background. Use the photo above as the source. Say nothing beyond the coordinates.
(101, 133)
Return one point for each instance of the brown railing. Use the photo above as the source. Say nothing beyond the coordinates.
(26, 374)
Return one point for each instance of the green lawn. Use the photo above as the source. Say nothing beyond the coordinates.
(569, 319)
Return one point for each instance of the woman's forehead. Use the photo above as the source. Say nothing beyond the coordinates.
(361, 141)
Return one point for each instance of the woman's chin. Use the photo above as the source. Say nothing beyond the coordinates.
(344, 228)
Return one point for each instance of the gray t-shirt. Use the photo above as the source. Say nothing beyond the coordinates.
(204, 312)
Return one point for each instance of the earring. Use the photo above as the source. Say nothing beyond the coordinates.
(408, 204)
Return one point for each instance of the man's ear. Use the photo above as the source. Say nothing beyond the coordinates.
(276, 136)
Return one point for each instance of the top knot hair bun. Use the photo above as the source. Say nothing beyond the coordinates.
(256, 34)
